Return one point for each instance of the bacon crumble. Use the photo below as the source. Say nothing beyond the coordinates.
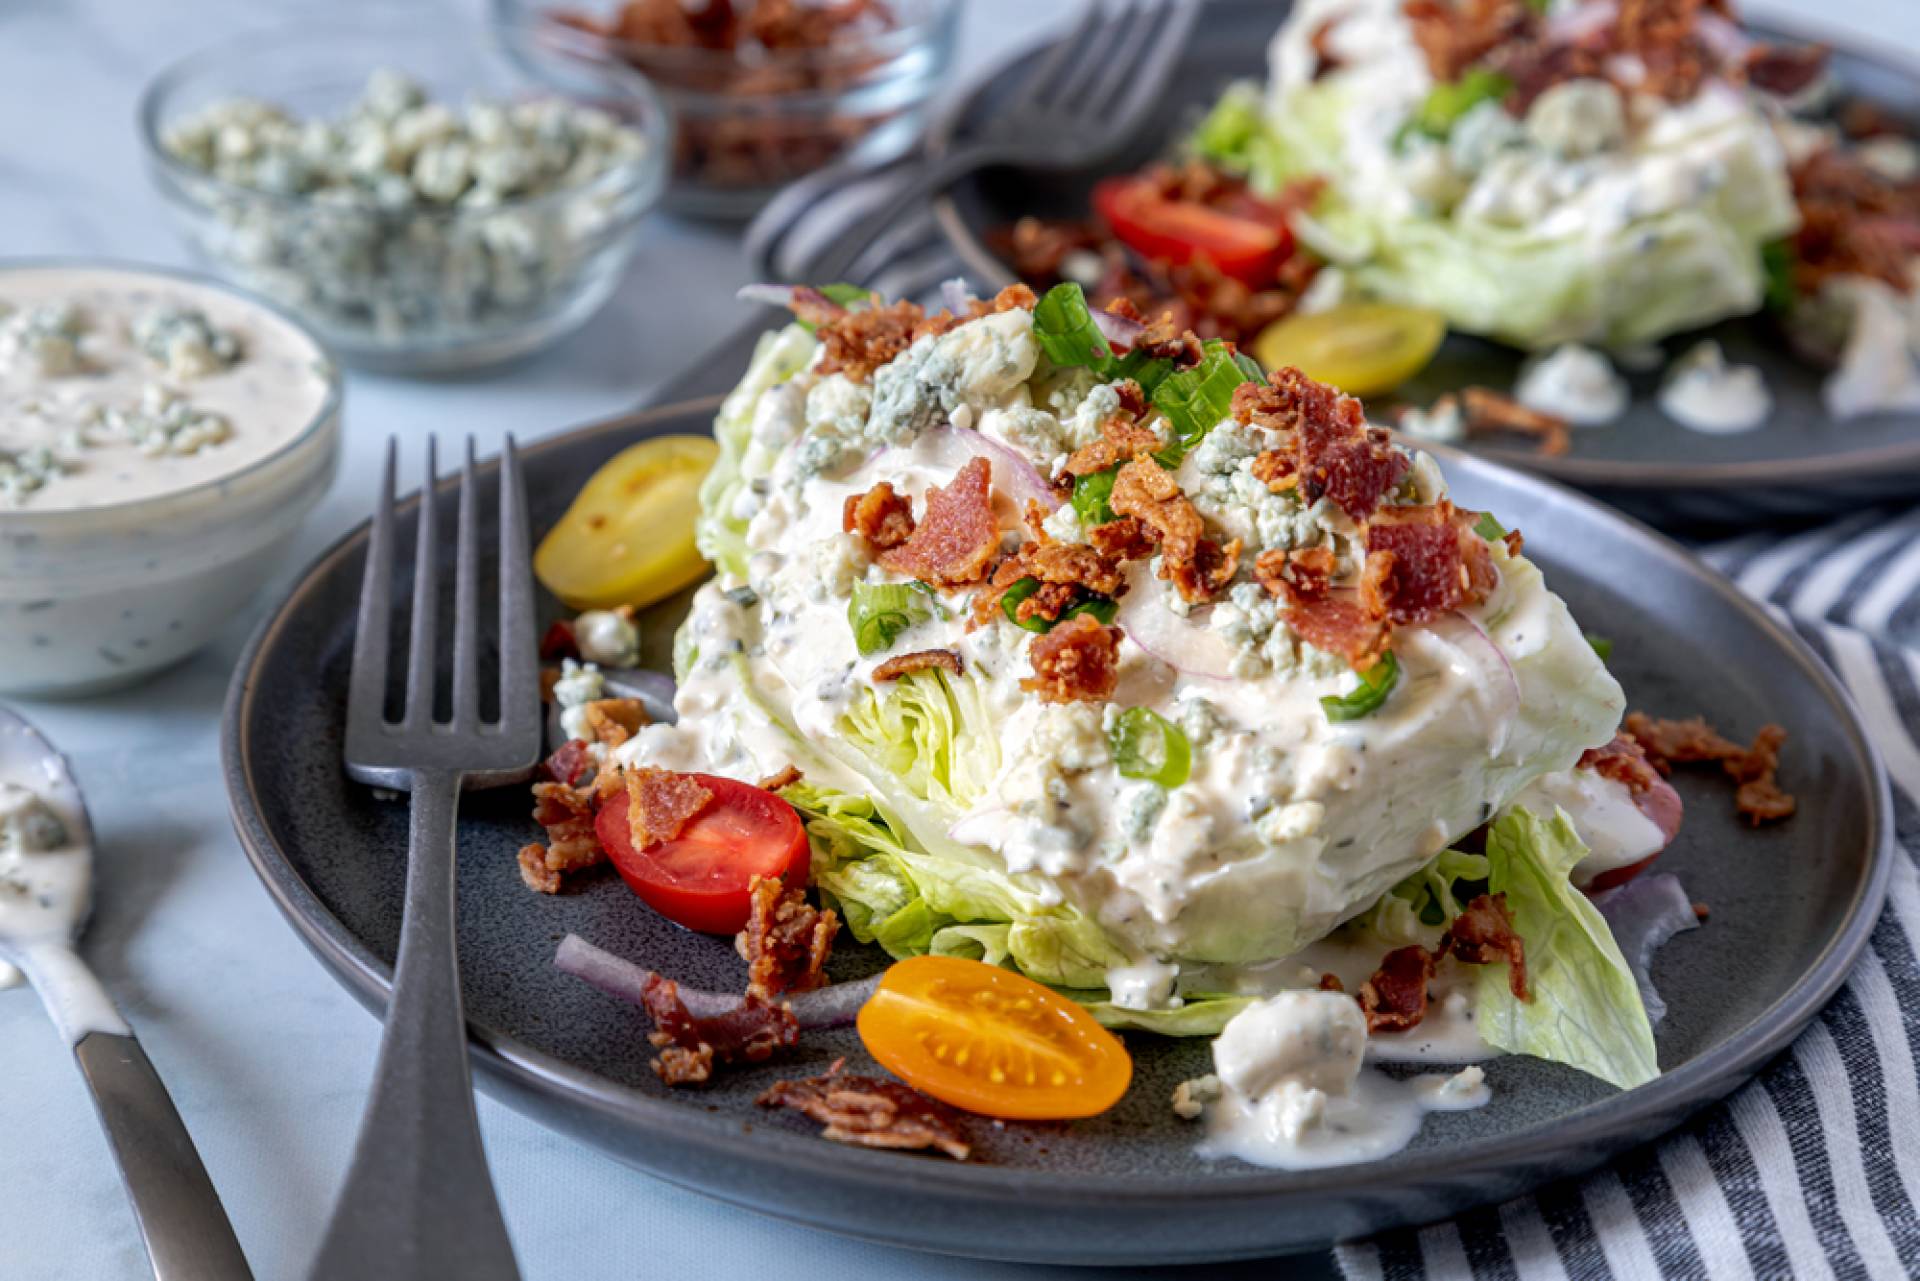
(565, 813)
(660, 803)
(786, 941)
(787, 777)
(902, 664)
(868, 1111)
(691, 1047)
(1196, 565)
(1078, 661)
(1434, 562)
(1331, 452)
(958, 536)
(880, 516)
(1395, 997)
(1758, 798)
(1482, 934)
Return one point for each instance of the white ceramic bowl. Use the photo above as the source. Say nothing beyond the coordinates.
(95, 597)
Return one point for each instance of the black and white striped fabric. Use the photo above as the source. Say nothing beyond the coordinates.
(1813, 1170)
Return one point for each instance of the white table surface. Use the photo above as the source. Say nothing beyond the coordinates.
(267, 1058)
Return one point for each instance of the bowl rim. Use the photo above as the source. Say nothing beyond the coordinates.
(646, 171)
(937, 18)
(525, 1073)
(325, 418)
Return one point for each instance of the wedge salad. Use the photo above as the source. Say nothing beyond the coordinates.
(1086, 654)
(1576, 178)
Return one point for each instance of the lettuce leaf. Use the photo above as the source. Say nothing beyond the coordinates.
(1585, 1008)
(721, 536)
(1418, 909)
(933, 731)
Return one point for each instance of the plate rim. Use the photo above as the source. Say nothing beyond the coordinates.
(1602, 1125)
(1652, 476)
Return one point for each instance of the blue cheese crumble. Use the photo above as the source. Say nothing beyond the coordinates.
(182, 341)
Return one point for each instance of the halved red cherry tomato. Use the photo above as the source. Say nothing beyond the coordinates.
(699, 879)
(1245, 246)
(991, 1041)
(1621, 875)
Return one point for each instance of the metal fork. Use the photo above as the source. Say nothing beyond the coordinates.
(1079, 107)
(418, 1200)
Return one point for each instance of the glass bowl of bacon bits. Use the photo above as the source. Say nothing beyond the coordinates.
(764, 91)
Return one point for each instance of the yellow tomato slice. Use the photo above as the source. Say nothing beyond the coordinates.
(628, 538)
(991, 1041)
(1363, 348)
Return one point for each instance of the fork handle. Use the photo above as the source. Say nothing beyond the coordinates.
(418, 1201)
(853, 244)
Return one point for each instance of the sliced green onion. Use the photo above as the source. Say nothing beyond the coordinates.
(1063, 326)
(879, 612)
(1602, 646)
(1489, 528)
(1195, 400)
(1445, 104)
(1375, 684)
(1010, 606)
(1091, 494)
(1148, 371)
(1147, 745)
(1776, 261)
(1099, 608)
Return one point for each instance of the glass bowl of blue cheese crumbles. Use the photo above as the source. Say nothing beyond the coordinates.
(425, 200)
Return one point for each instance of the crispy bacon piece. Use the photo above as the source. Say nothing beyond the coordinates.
(871, 1112)
(1538, 65)
(1455, 36)
(1492, 413)
(1197, 566)
(1324, 58)
(1436, 563)
(1122, 540)
(660, 803)
(786, 942)
(1759, 798)
(1338, 621)
(691, 1047)
(957, 537)
(1331, 983)
(785, 778)
(1395, 998)
(1853, 221)
(570, 763)
(882, 517)
(1122, 439)
(612, 721)
(1078, 661)
(857, 341)
(566, 814)
(901, 664)
(1330, 453)
(1482, 934)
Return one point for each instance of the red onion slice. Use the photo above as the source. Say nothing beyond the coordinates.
(956, 295)
(1643, 914)
(1180, 643)
(1121, 332)
(951, 448)
(832, 1006)
(772, 295)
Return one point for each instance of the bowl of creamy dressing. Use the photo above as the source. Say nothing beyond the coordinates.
(161, 439)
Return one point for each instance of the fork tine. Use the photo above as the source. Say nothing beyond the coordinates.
(519, 661)
(1044, 71)
(426, 601)
(898, 240)
(1143, 90)
(466, 606)
(1135, 42)
(1071, 86)
(367, 683)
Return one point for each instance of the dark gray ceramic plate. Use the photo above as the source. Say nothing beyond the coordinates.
(1799, 464)
(1792, 906)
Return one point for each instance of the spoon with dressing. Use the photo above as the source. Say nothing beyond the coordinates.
(46, 872)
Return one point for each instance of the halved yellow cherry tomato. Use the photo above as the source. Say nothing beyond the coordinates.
(992, 1041)
(628, 538)
(1363, 348)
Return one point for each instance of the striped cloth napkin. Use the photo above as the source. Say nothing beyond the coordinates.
(1813, 1170)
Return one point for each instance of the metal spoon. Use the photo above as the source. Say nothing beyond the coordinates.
(46, 866)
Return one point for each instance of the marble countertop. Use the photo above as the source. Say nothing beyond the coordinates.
(267, 1058)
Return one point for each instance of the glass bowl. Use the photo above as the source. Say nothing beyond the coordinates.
(100, 596)
(753, 119)
(398, 266)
